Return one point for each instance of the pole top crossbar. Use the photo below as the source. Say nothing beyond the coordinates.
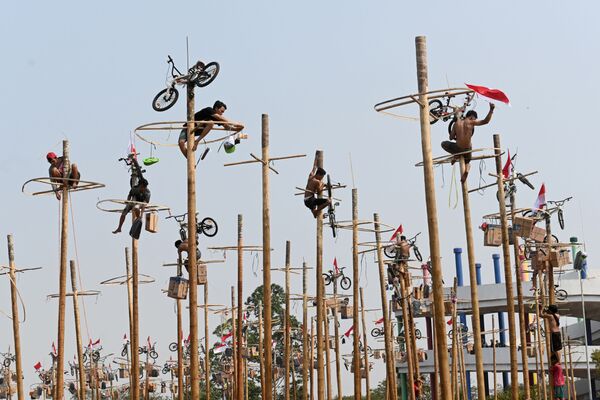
(71, 294)
(81, 185)
(452, 158)
(165, 128)
(17, 270)
(148, 207)
(121, 280)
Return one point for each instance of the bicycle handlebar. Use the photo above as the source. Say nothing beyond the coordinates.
(560, 202)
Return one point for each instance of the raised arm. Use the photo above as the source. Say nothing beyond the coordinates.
(227, 123)
(487, 118)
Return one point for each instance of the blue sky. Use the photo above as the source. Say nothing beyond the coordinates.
(88, 72)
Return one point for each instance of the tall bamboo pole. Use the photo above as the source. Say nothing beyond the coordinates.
(365, 352)
(192, 246)
(135, 336)
(180, 369)
(234, 341)
(206, 345)
(327, 353)
(410, 355)
(240, 311)
(387, 329)
(494, 356)
(540, 350)
(514, 368)
(286, 325)
(355, 279)
(312, 359)
(432, 220)
(77, 331)
(520, 303)
(551, 297)
(261, 355)
(475, 315)
(62, 282)
(320, 296)
(130, 309)
(305, 344)
(336, 334)
(266, 222)
(15, 319)
(411, 320)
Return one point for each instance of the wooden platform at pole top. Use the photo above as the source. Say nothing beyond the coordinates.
(81, 185)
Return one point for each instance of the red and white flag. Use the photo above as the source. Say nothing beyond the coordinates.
(335, 266)
(398, 231)
(379, 321)
(507, 171)
(54, 348)
(349, 331)
(450, 322)
(125, 338)
(541, 199)
(131, 147)
(97, 342)
(226, 336)
(493, 94)
(149, 343)
(37, 366)
(186, 341)
(219, 348)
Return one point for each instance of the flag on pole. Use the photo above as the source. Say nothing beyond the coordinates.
(37, 366)
(493, 94)
(226, 336)
(349, 331)
(125, 338)
(541, 199)
(97, 342)
(131, 147)
(398, 231)
(54, 348)
(219, 348)
(335, 266)
(379, 321)
(508, 167)
(450, 322)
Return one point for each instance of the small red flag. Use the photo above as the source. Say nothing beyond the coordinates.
(398, 231)
(508, 168)
(37, 366)
(493, 94)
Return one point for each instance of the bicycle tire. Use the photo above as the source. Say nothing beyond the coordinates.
(165, 99)
(124, 352)
(165, 370)
(327, 279)
(561, 294)
(418, 334)
(141, 350)
(451, 126)
(6, 362)
(96, 356)
(173, 346)
(332, 223)
(554, 239)
(561, 219)
(84, 357)
(375, 332)
(436, 109)
(208, 74)
(153, 354)
(450, 334)
(369, 350)
(418, 254)
(209, 227)
(345, 283)
(390, 251)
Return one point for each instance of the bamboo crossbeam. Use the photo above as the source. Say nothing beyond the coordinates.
(261, 161)
(17, 270)
(114, 281)
(414, 98)
(147, 207)
(81, 186)
(244, 248)
(82, 293)
(445, 159)
(199, 262)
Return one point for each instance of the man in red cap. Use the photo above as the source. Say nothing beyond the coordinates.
(56, 170)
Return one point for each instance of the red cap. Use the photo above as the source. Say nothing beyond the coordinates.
(50, 156)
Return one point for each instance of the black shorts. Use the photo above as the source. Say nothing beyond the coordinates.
(555, 342)
(314, 202)
(453, 148)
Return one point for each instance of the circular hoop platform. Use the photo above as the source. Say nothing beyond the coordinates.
(81, 185)
(121, 280)
(162, 131)
(82, 293)
(148, 207)
(386, 105)
(348, 225)
(446, 159)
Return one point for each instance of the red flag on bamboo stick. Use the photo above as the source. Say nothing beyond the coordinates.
(37, 366)
(493, 94)
(541, 199)
(398, 231)
(508, 167)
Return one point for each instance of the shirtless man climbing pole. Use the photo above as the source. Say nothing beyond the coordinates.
(551, 314)
(56, 170)
(314, 186)
(462, 132)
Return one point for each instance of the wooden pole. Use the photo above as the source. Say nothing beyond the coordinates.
(266, 222)
(411, 321)
(130, 308)
(240, 311)
(180, 369)
(261, 353)
(336, 334)
(192, 246)
(387, 329)
(551, 300)
(327, 353)
(77, 331)
(475, 315)
(147, 370)
(365, 352)
(312, 359)
(62, 282)
(286, 325)
(522, 324)
(206, 345)
(455, 330)
(494, 356)
(432, 220)
(305, 343)
(320, 296)
(514, 368)
(15, 320)
(234, 340)
(135, 337)
(355, 279)
(407, 339)
(542, 377)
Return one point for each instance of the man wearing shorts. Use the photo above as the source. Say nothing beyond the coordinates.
(551, 314)
(139, 193)
(56, 170)
(462, 132)
(214, 113)
(314, 186)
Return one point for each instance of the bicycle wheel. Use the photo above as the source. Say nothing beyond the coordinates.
(450, 334)
(375, 332)
(418, 334)
(209, 227)
(96, 356)
(418, 254)
(173, 346)
(561, 294)
(84, 357)
(327, 279)
(390, 251)
(561, 219)
(153, 354)
(165, 99)
(208, 74)
(436, 109)
(124, 352)
(6, 362)
(554, 239)
(141, 350)
(369, 350)
(345, 283)
(165, 370)
(332, 223)
(451, 126)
